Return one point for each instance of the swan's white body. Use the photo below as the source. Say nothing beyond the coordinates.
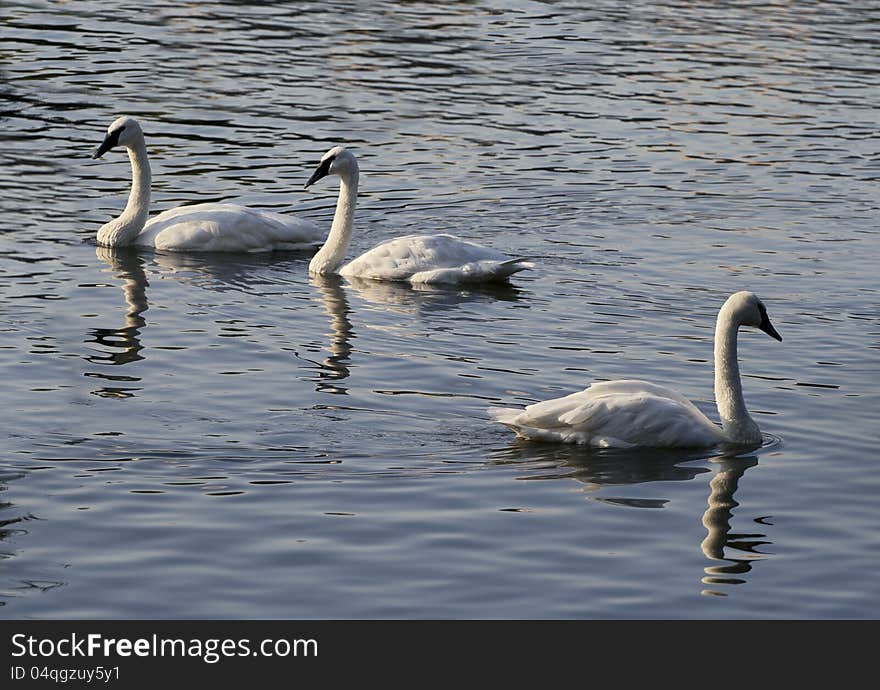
(631, 413)
(432, 259)
(417, 259)
(197, 228)
(615, 414)
(226, 228)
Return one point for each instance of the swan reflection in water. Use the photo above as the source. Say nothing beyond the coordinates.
(264, 274)
(261, 273)
(389, 297)
(121, 345)
(222, 273)
(597, 469)
(252, 274)
(217, 272)
(335, 366)
(424, 299)
(716, 520)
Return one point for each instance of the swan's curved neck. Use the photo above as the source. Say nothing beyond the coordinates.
(329, 257)
(738, 425)
(123, 230)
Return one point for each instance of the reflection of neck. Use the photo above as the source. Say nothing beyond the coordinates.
(129, 266)
(330, 256)
(716, 519)
(336, 307)
(136, 299)
(738, 426)
(123, 230)
(124, 343)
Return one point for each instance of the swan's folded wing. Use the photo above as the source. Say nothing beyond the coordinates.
(433, 259)
(290, 232)
(618, 413)
(227, 227)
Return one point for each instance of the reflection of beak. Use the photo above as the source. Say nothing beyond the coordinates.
(322, 171)
(767, 327)
(111, 140)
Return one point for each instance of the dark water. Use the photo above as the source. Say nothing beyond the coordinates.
(213, 436)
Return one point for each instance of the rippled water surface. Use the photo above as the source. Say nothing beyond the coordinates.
(222, 436)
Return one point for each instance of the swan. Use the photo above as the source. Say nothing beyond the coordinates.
(417, 259)
(631, 413)
(197, 228)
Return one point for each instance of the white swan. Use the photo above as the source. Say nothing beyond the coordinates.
(414, 258)
(630, 413)
(197, 228)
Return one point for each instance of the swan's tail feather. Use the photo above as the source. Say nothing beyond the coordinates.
(474, 272)
(506, 268)
(510, 417)
(501, 270)
(504, 415)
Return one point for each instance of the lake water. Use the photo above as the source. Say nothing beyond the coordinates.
(224, 437)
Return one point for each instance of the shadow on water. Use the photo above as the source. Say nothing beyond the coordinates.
(11, 528)
(598, 469)
(8, 522)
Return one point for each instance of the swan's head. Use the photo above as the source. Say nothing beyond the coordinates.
(124, 131)
(748, 310)
(337, 161)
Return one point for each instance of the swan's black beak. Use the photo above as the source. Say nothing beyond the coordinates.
(110, 141)
(767, 327)
(322, 171)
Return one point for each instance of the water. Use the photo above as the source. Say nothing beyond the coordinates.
(213, 436)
